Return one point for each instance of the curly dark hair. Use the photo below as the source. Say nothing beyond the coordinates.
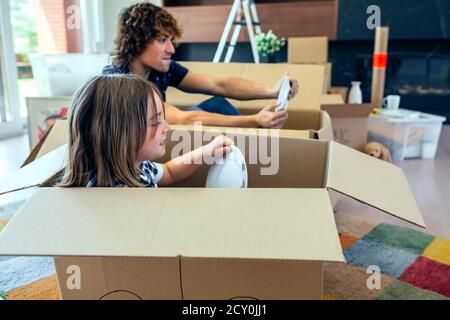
(138, 26)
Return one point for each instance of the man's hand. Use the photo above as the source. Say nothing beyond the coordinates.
(268, 118)
(294, 88)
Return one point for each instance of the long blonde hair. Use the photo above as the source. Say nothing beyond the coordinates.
(108, 126)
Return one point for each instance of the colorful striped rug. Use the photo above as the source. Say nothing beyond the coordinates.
(413, 265)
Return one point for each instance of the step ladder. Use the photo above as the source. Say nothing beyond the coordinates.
(243, 13)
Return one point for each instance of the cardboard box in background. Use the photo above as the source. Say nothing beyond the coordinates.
(266, 242)
(342, 91)
(328, 77)
(315, 124)
(350, 123)
(311, 50)
(304, 110)
(310, 78)
(308, 50)
(331, 99)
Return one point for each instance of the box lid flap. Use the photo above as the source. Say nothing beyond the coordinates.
(372, 181)
(215, 223)
(58, 136)
(36, 172)
(348, 110)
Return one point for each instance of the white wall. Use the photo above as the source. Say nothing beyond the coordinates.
(100, 25)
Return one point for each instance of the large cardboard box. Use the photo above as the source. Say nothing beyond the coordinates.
(311, 50)
(265, 242)
(310, 78)
(308, 50)
(304, 110)
(331, 99)
(350, 123)
(342, 91)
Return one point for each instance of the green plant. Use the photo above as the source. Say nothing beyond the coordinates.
(23, 22)
(268, 43)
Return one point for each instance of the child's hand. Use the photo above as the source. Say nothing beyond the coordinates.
(217, 148)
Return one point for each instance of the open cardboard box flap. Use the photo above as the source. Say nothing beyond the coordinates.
(35, 172)
(55, 137)
(154, 223)
(380, 184)
(350, 123)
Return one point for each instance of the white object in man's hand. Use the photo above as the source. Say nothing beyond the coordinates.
(283, 96)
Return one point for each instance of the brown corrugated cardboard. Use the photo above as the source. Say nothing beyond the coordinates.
(196, 243)
(311, 50)
(103, 278)
(328, 77)
(310, 78)
(253, 279)
(331, 99)
(36, 172)
(301, 124)
(304, 110)
(308, 50)
(342, 91)
(387, 178)
(57, 136)
(350, 123)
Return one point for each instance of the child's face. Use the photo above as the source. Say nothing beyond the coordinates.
(154, 146)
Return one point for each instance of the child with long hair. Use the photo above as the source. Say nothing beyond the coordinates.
(117, 129)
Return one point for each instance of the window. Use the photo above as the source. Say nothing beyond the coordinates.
(10, 121)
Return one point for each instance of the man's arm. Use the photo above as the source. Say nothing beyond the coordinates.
(232, 87)
(266, 118)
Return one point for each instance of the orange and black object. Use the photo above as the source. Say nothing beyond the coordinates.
(380, 60)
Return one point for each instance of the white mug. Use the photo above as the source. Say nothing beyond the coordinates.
(391, 102)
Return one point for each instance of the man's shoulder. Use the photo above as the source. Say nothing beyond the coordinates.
(113, 69)
(176, 66)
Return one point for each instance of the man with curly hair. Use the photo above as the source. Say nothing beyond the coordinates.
(144, 46)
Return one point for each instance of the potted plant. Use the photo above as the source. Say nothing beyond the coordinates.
(268, 44)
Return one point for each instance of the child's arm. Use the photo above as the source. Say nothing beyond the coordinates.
(182, 167)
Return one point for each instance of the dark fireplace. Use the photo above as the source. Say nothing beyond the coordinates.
(421, 79)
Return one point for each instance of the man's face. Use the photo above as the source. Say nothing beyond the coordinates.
(157, 55)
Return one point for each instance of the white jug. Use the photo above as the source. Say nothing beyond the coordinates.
(355, 95)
